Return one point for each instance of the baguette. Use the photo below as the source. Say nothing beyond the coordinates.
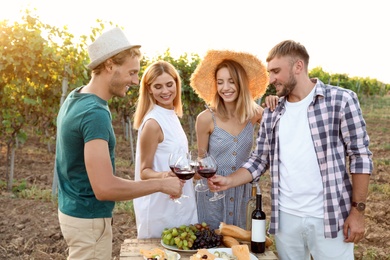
(268, 242)
(239, 233)
(234, 231)
(229, 241)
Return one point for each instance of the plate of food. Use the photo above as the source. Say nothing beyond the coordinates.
(159, 254)
(232, 253)
(174, 248)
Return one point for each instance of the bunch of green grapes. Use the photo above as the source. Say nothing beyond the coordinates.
(182, 237)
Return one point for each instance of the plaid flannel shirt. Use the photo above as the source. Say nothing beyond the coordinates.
(338, 131)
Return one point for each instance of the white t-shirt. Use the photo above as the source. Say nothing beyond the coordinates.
(300, 186)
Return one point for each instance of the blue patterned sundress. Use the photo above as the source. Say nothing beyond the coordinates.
(230, 152)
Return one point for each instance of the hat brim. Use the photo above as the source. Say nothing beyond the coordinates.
(203, 79)
(101, 59)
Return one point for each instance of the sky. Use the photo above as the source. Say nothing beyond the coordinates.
(342, 36)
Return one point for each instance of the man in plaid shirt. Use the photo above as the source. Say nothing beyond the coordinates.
(317, 208)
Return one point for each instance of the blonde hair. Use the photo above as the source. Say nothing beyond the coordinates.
(245, 105)
(146, 101)
(119, 58)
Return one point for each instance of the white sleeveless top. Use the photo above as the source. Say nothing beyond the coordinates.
(157, 211)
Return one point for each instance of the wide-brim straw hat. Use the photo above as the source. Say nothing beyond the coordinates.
(108, 45)
(203, 79)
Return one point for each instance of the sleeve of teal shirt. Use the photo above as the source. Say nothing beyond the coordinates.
(96, 125)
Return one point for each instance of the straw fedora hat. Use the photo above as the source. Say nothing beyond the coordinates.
(203, 79)
(108, 45)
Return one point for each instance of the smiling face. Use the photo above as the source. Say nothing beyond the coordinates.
(226, 86)
(281, 75)
(163, 90)
(124, 76)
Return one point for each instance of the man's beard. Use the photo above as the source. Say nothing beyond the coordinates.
(117, 86)
(288, 87)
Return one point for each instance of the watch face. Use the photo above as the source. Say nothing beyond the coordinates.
(361, 206)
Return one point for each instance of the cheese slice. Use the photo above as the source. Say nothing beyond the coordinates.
(200, 255)
(153, 253)
(241, 252)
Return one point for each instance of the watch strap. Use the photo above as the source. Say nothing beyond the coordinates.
(360, 206)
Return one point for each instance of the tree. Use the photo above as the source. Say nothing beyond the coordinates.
(33, 60)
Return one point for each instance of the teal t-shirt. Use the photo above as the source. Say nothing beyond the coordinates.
(82, 118)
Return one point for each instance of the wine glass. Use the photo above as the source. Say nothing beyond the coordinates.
(172, 160)
(200, 186)
(184, 167)
(207, 167)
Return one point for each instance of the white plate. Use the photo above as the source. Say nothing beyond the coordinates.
(229, 251)
(174, 248)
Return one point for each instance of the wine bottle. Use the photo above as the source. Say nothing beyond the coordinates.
(258, 226)
(250, 207)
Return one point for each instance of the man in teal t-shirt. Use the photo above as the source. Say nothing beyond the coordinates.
(82, 118)
(87, 185)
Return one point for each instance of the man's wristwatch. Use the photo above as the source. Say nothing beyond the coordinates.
(360, 206)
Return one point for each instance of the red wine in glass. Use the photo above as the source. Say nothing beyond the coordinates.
(207, 169)
(184, 174)
(196, 156)
(172, 161)
(207, 173)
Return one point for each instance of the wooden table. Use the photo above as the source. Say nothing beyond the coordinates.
(130, 249)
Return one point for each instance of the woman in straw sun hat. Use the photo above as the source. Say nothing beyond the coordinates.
(229, 82)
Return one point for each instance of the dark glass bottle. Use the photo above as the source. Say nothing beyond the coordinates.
(258, 226)
(250, 207)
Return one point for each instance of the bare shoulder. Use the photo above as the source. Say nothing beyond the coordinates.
(205, 117)
(151, 130)
(151, 125)
(204, 122)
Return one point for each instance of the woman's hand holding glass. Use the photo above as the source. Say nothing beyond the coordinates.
(207, 167)
(200, 186)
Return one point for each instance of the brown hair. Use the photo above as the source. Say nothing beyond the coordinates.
(289, 48)
(145, 101)
(119, 58)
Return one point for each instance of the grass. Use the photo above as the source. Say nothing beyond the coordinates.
(37, 194)
(381, 161)
(124, 207)
(386, 146)
(21, 189)
(375, 104)
(381, 188)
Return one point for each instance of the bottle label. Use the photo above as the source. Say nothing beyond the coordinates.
(258, 230)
